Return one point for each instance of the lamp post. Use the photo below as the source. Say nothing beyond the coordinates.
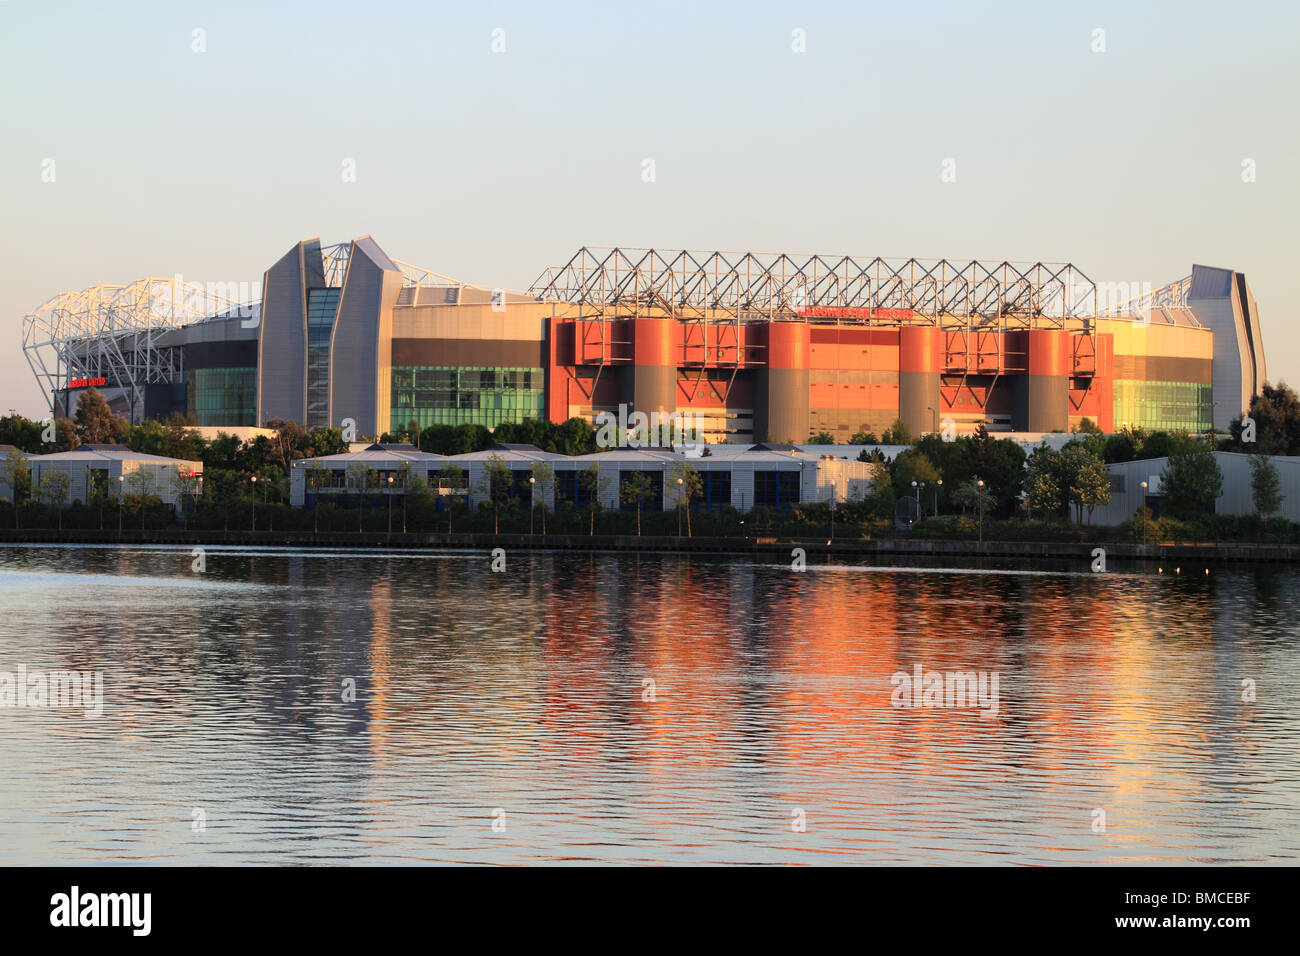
(979, 500)
(254, 497)
(532, 501)
(936, 497)
(920, 487)
(1144, 514)
(99, 500)
(390, 503)
(120, 480)
(679, 507)
(834, 490)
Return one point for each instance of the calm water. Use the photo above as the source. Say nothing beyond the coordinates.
(523, 698)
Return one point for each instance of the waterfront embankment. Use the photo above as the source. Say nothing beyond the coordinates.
(1026, 551)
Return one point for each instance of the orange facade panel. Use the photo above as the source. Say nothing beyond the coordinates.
(836, 395)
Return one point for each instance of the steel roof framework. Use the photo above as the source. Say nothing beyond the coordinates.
(614, 283)
(115, 332)
(1171, 296)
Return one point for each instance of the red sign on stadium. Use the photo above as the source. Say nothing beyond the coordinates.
(87, 382)
(850, 312)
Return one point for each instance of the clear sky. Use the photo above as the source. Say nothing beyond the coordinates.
(489, 166)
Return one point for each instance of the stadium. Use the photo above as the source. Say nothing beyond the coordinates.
(756, 347)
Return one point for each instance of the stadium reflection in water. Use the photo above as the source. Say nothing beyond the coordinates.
(643, 708)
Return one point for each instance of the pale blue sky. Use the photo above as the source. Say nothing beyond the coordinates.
(490, 166)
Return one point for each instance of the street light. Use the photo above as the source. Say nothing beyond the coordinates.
(679, 507)
(390, 502)
(936, 497)
(120, 479)
(834, 490)
(979, 499)
(920, 487)
(532, 501)
(254, 496)
(1144, 514)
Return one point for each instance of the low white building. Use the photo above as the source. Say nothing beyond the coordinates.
(119, 471)
(336, 477)
(775, 476)
(1126, 492)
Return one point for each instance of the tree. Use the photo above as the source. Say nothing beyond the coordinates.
(53, 490)
(1160, 444)
(880, 503)
(23, 433)
(97, 492)
(361, 478)
(822, 438)
(1192, 481)
(634, 490)
(18, 476)
(686, 483)
(405, 479)
(593, 482)
(911, 465)
(184, 484)
(96, 423)
(1086, 426)
(1086, 481)
(864, 438)
(970, 496)
(1265, 486)
(452, 477)
(65, 434)
(543, 482)
(314, 481)
(1276, 413)
(221, 492)
(325, 441)
(455, 439)
(290, 443)
(420, 501)
(1042, 482)
(1119, 448)
(897, 434)
(497, 483)
(142, 483)
(1000, 462)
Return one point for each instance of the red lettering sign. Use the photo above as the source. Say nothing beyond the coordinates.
(86, 382)
(853, 312)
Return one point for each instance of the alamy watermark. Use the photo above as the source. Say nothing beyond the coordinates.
(946, 689)
(235, 299)
(44, 690)
(655, 430)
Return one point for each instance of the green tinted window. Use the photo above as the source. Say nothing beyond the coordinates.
(222, 396)
(451, 395)
(1164, 406)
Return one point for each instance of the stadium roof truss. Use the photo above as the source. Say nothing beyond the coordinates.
(1171, 296)
(611, 283)
(115, 332)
